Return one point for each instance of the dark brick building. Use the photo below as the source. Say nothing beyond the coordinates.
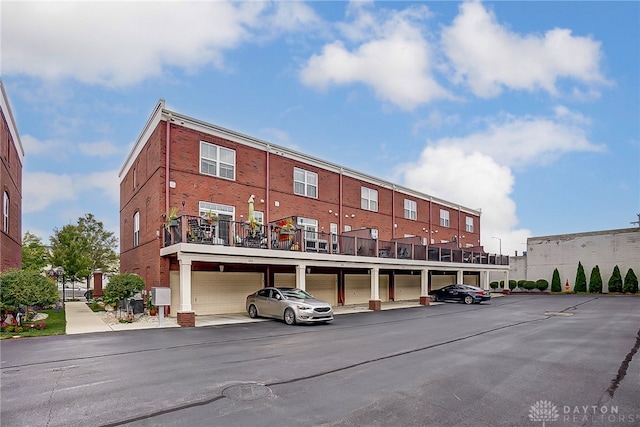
(12, 156)
(355, 238)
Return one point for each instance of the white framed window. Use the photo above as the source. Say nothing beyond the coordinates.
(369, 199)
(229, 212)
(5, 212)
(305, 183)
(410, 209)
(444, 218)
(310, 228)
(333, 229)
(469, 224)
(347, 228)
(136, 229)
(217, 161)
(259, 217)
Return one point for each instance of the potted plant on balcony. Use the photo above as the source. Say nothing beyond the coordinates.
(210, 217)
(171, 217)
(285, 229)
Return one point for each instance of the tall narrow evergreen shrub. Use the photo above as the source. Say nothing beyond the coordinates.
(556, 285)
(630, 282)
(595, 281)
(615, 281)
(581, 279)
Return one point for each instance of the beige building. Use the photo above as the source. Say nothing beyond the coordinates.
(606, 249)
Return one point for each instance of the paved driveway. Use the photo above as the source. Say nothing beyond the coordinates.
(519, 360)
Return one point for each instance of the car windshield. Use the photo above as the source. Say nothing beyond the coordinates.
(297, 294)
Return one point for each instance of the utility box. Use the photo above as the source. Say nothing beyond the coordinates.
(160, 296)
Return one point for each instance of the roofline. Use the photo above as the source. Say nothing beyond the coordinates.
(160, 113)
(13, 128)
(586, 233)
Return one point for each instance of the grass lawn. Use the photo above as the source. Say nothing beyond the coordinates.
(55, 325)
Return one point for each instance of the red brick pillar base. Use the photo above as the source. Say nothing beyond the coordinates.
(506, 291)
(97, 285)
(187, 318)
(425, 300)
(375, 304)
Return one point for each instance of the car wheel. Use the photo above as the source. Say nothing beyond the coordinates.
(253, 311)
(433, 298)
(289, 317)
(468, 299)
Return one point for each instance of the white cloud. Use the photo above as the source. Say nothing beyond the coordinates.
(489, 57)
(395, 59)
(476, 170)
(41, 190)
(101, 149)
(35, 147)
(522, 141)
(88, 40)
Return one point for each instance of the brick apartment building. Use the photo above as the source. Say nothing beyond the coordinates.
(252, 214)
(10, 188)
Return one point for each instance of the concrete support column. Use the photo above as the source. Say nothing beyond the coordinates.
(301, 271)
(460, 276)
(186, 316)
(505, 289)
(424, 286)
(374, 302)
(484, 277)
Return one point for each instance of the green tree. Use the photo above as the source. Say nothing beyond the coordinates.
(70, 250)
(121, 287)
(26, 287)
(630, 282)
(35, 255)
(615, 281)
(595, 281)
(102, 245)
(581, 280)
(556, 285)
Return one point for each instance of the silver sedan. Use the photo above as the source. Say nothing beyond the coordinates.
(289, 304)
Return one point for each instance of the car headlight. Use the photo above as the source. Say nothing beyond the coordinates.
(304, 307)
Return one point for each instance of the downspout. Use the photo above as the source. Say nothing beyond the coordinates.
(166, 183)
(393, 212)
(268, 189)
(340, 209)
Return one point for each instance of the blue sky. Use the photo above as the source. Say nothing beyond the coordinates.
(527, 110)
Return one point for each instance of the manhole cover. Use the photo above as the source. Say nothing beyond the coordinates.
(558, 313)
(246, 391)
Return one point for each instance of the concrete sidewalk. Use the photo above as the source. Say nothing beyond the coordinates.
(81, 319)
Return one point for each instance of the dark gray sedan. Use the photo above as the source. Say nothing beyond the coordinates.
(292, 305)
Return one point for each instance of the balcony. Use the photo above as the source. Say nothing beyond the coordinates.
(282, 236)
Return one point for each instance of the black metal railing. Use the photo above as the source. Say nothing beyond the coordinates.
(272, 237)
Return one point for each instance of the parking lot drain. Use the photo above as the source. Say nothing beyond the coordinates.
(558, 313)
(246, 391)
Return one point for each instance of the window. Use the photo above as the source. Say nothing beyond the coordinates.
(305, 183)
(310, 228)
(333, 229)
(136, 229)
(369, 199)
(469, 227)
(5, 212)
(444, 218)
(135, 178)
(410, 209)
(217, 161)
(347, 228)
(259, 217)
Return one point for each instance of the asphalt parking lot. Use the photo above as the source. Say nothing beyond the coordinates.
(517, 361)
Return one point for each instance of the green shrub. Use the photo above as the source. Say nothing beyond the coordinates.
(595, 281)
(520, 283)
(581, 279)
(542, 284)
(529, 285)
(615, 281)
(512, 284)
(556, 285)
(494, 285)
(630, 282)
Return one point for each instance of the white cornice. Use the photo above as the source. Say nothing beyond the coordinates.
(161, 113)
(6, 108)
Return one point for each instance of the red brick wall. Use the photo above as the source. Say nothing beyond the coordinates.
(148, 197)
(11, 183)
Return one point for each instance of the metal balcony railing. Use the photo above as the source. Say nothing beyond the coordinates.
(193, 229)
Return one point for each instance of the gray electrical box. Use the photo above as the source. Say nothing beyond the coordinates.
(160, 296)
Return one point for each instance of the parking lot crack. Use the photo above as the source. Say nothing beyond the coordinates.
(622, 370)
